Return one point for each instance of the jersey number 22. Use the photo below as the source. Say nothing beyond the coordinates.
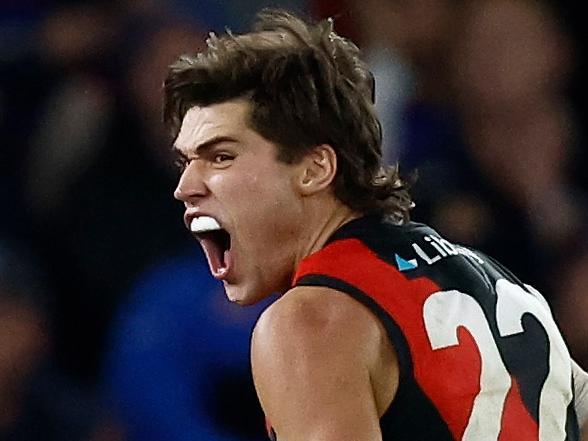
(495, 380)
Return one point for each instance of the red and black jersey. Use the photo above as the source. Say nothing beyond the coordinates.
(480, 356)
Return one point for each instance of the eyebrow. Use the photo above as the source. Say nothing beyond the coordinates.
(207, 145)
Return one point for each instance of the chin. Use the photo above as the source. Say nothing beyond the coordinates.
(238, 296)
(244, 296)
(237, 300)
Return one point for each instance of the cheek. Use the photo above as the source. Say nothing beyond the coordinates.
(256, 199)
(264, 209)
(262, 189)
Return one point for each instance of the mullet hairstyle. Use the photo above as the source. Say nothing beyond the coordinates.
(306, 86)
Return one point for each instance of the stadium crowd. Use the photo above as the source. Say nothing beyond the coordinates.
(111, 327)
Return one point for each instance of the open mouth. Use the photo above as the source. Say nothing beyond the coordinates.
(216, 243)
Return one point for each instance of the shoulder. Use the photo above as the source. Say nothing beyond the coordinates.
(316, 316)
(312, 341)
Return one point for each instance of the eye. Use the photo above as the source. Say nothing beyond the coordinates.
(222, 158)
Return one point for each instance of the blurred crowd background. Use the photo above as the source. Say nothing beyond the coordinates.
(111, 328)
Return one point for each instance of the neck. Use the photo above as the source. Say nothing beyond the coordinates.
(323, 227)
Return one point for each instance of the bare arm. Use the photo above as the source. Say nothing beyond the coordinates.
(320, 367)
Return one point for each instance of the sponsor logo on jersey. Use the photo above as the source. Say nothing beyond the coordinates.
(405, 265)
(436, 248)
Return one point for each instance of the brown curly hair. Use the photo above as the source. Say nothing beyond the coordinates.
(307, 86)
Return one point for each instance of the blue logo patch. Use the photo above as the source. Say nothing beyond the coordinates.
(405, 265)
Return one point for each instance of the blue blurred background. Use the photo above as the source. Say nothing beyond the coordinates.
(110, 326)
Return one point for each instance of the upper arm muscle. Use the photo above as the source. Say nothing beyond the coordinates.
(313, 354)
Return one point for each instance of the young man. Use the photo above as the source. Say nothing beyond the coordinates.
(385, 330)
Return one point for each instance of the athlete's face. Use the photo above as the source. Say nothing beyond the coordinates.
(232, 175)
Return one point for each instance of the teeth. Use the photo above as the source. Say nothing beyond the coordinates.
(204, 223)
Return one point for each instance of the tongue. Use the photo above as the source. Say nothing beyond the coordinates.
(218, 261)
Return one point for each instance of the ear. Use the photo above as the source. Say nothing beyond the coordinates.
(317, 169)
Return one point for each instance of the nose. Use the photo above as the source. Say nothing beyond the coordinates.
(191, 185)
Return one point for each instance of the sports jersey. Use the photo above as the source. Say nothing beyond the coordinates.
(479, 354)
